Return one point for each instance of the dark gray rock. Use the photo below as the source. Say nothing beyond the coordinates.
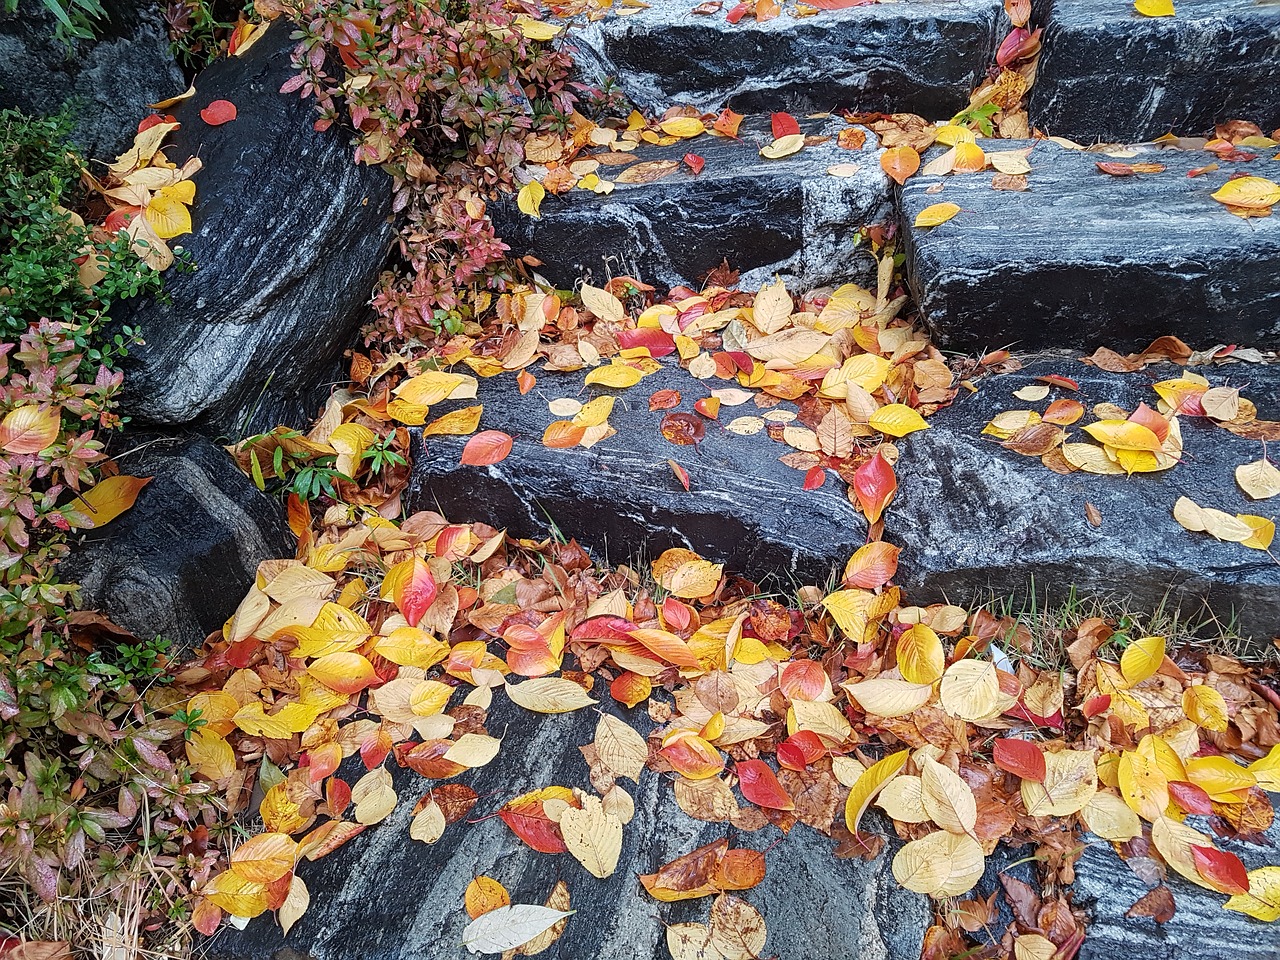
(1107, 73)
(621, 498)
(388, 897)
(1200, 928)
(177, 563)
(923, 57)
(787, 217)
(1084, 259)
(289, 238)
(108, 81)
(975, 518)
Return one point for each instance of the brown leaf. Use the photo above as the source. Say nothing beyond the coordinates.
(1092, 514)
(648, 171)
(1156, 903)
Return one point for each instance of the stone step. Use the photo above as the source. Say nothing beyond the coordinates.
(973, 518)
(1083, 259)
(383, 896)
(924, 57)
(1107, 73)
(787, 217)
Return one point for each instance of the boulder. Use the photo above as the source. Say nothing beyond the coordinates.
(924, 58)
(975, 518)
(1083, 259)
(1107, 73)
(107, 82)
(787, 217)
(177, 563)
(289, 237)
(388, 897)
(621, 498)
(1200, 928)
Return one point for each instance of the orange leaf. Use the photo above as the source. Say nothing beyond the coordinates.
(485, 448)
(29, 429)
(900, 163)
(563, 434)
(874, 484)
(1063, 412)
(413, 588)
(872, 566)
(691, 756)
(264, 858)
(345, 672)
(630, 688)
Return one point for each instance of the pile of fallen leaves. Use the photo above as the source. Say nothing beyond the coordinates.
(385, 642)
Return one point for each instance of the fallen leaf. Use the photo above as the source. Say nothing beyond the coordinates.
(218, 112)
(509, 927)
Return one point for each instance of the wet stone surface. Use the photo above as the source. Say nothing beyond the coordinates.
(1108, 74)
(787, 217)
(176, 564)
(975, 518)
(289, 238)
(389, 897)
(921, 57)
(1083, 258)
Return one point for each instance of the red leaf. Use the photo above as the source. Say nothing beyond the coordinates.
(1221, 870)
(218, 113)
(761, 786)
(676, 616)
(1021, 758)
(1190, 797)
(784, 125)
(375, 748)
(659, 343)
(485, 448)
(681, 474)
(1018, 45)
(664, 400)
(737, 13)
(1095, 705)
(874, 484)
(742, 360)
(117, 220)
(150, 121)
(709, 407)
(800, 749)
(418, 590)
(815, 477)
(528, 821)
(695, 163)
(337, 795)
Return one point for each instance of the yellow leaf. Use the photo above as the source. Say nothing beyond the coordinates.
(969, 157)
(1220, 777)
(344, 672)
(920, 655)
(783, 147)
(1032, 946)
(1070, 781)
(1264, 531)
(1154, 8)
(617, 375)
(549, 695)
(593, 837)
(535, 29)
(1174, 841)
(1124, 435)
(694, 579)
(458, 423)
(849, 609)
(104, 502)
(947, 799)
(682, 127)
(888, 697)
(1144, 786)
(602, 303)
(1250, 193)
(210, 755)
(484, 894)
(264, 858)
(411, 647)
(288, 720)
(936, 214)
(1262, 902)
(169, 217)
(1090, 458)
(897, 420)
(436, 385)
(473, 750)
(1110, 817)
(296, 901)
(870, 783)
(1205, 707)
(970, 690)
(236, 895)
(595, 413)
(941, 864)
(529, 199)
(1267, 770)
(820, 717)
(1141, 659)
(902, 800)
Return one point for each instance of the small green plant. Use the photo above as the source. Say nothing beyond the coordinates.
(980, 117)
(382, 455)
(76, 19)
(199, 30)
(292, 466)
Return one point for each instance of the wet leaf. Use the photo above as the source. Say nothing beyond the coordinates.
(486, 448)
(509, 927)
(936, 214)
(218, 112)
(900, 163)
